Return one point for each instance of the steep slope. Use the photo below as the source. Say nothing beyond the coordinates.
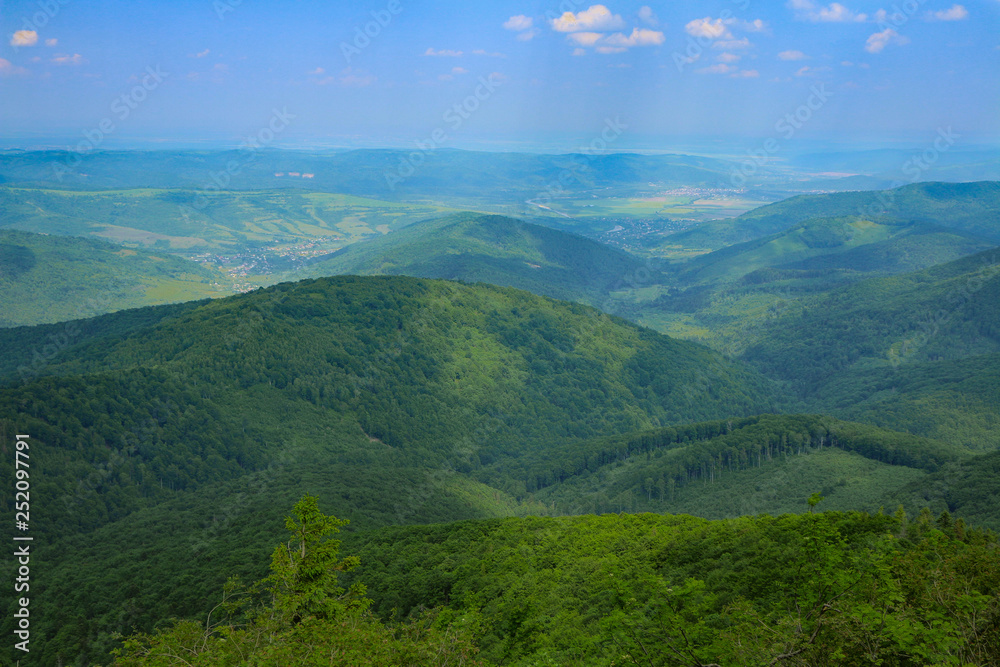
(969, 488)
(956, 401)
(391, 393)
(491, 249)
(765, 463)
(916, 352)
(949, 311)
(52, 278)
(972, 208)
(720, 468)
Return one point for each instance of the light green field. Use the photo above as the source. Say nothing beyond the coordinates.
(191, 222)
(697, 206)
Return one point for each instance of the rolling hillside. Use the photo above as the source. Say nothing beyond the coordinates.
(389, 393)
(972, 208)
(915, 352)
(950, 311)
(206, 221)
(54, 278)
(831, 251)
(491, 249)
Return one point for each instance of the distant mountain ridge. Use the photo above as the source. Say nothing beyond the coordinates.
(972, 208)
(491, 249)
(378, 173)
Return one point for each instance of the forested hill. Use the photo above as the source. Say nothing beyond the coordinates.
(492, 249)
(949, 311)
(917, 352)
(391, 392)
(972, 208)
(825, 252)
(399, 370)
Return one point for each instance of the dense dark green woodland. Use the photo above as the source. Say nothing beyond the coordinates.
(531, 481)
(644, 589)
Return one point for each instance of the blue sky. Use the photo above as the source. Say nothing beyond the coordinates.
(522, 73)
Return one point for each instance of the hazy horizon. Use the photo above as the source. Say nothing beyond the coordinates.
(524, 75)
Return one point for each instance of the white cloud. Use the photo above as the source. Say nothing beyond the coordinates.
(64, 59)
(956, 13)
(838, 13)
(639, 37)
(746, 74)
(616, 42)
(648, 16)
(519, 22)
(579, 52)
(447, 53)
(720, 31)
(202, 54)
(24, 38)
(880, 40)
(585, 38)
(708, 28)
(792, 55)
(317, 71)
(9, 69)
(524, 25)
(52, 41)
(596, 17)
(807, 10)
(728, 58)
(490, 54)
(459, 70)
